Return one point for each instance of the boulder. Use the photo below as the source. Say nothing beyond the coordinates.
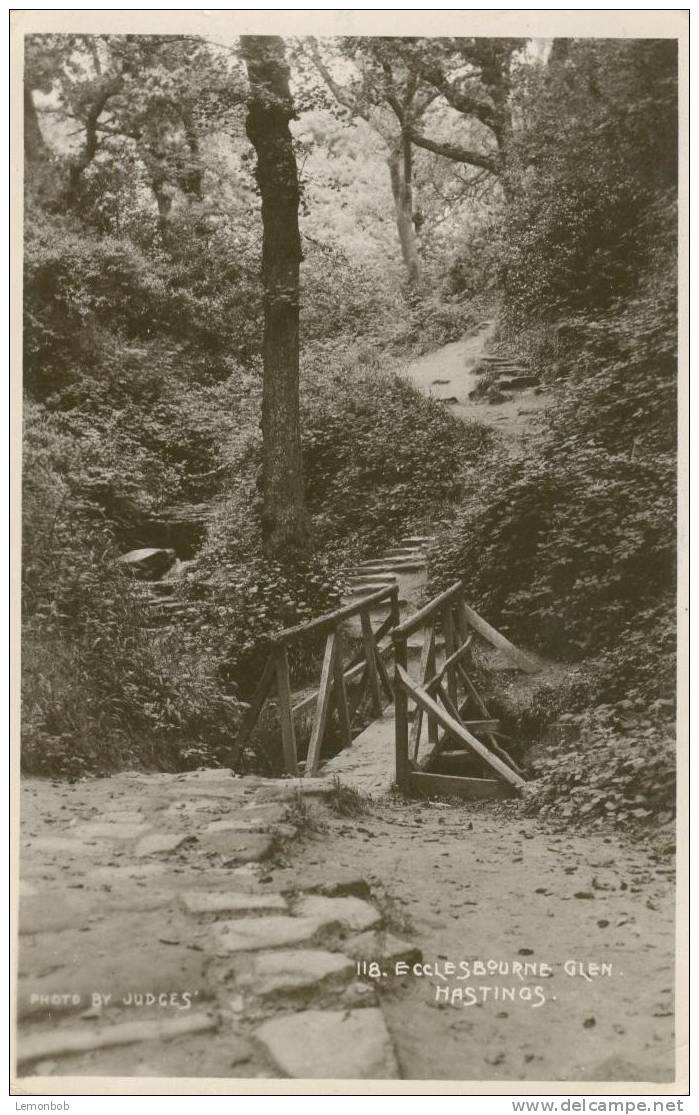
(148, 563)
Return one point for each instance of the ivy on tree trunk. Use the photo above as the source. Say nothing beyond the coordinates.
(285, 523)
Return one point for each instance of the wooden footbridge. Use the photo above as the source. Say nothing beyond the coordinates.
(398, 697)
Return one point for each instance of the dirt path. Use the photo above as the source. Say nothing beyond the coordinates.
(449, 373)
(479, 882)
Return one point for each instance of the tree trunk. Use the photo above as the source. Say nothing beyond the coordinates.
(163, 199)
(80, 164)
(400, 165)
(285, 524)
(192, 179)
(34, 146)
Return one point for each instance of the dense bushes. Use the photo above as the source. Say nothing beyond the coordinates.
(596, 149)
(620, 770)
(100, 690)
(380, 460)
(568, 553)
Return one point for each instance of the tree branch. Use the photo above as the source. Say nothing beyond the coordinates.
(455, 151)
(341, 95)
(462, 100)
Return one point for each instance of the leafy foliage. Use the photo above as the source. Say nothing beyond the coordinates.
(380, 458)
(100, 690)
(621, 771)
(596, 149)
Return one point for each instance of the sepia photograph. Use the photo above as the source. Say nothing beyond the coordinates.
(347, 467)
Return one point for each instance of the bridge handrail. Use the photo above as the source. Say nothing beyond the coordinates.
(331, 619)
(418, 619)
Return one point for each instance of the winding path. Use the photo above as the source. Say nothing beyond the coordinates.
(450, 373)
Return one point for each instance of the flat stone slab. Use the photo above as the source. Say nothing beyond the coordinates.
(253, 934)
(135, 954)
(324, 1044)
(196, 1056)
(122, 816)
(59, 910)
(161, 842)
(270, 813)
(382, 947)
(63, 1042)
(113, 830)
(287, 970)
(350, 912)
(286, 789)
(251, 824)
(217, 902)
(119, 874)
(239, 847)
(63, 844)
(206, 789)
(343, 884)
(197, 809)
(210, 774)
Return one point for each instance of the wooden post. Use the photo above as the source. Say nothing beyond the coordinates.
(426, 669)
(286, 721)
(253, 712)
(449, 648)
(343, 716)
(395, 608)
(496, 639)
(383, 673)
(373, 673)
(454, 728)
(462, 619)
(321, 717)
(401, 709)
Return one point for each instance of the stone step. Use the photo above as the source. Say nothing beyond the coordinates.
(418, 540)
(403, 552)
(380, 613)
(164, 604)
(325, 1044)
(392, 566)
(365, 588)
(519, 383)
(507, 369)
(384, 578)
(158, 589)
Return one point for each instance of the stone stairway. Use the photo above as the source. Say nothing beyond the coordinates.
(500, 374)
(404, 565)
(165, 932)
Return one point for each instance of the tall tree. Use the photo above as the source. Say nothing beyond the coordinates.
(386, 101)
(285, 523)
(155, 96)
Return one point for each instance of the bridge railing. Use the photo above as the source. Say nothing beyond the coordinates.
(367, 667)
(445, 696)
